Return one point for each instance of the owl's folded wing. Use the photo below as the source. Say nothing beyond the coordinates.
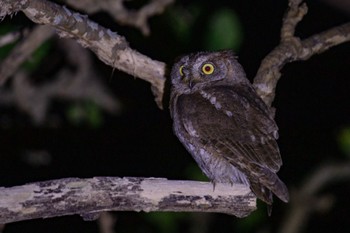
(235, 123)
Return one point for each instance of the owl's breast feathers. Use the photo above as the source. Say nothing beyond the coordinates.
(233, 123)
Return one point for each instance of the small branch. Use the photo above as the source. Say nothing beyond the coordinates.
(294, 15)
(110, 47)
(81, 83)
(307, 199)
(323, 41)
(291, 49)
(89, 197)
(117, 10)
(9, 38)
(23, 51)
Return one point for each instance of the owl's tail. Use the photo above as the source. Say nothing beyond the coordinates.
(266, 183)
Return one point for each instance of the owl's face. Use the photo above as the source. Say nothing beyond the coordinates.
(195, 71)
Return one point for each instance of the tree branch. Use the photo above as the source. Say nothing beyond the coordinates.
(24, 50)
(122, 15)
(81, 83)
(9, 38)
(114, 50)
(307, 199)
(89, 197)
(291, 49)
(110, 47)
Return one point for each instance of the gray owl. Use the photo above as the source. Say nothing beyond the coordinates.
(224, 124)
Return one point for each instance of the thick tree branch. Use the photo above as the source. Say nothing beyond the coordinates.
(110, 47)
(89, 197)
(291, 49)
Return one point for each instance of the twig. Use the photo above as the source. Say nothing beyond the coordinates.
(292, 49)
(89, 197)
(307, 199)
(9, 38)
(116, 9)
(23, 51)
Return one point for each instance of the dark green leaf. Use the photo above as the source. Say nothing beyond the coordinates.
(224, 31)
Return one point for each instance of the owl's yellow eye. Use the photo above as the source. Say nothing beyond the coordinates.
(208, 68)
(180, 70)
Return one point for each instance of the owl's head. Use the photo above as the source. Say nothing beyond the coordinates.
(195, 71)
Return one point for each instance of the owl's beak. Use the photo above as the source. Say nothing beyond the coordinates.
(192, 82)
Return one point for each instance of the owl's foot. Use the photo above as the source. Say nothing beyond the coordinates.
(214, 183)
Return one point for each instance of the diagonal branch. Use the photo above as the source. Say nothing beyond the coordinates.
(110, 47)
(9, 38)
(291, 49)
(23, 51)
(89, 197)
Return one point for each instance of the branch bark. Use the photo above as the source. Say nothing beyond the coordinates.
(111, 48)
(292, 48)
(89, 197)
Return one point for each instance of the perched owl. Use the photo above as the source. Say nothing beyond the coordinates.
(224, 124)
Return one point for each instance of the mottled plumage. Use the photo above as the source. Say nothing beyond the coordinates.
(224, 124)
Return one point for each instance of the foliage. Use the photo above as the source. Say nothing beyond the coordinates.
(344, 140)
(224, 31)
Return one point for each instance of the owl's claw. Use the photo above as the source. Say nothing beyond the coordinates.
(213, 182)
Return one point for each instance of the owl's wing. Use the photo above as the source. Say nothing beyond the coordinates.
(235, 122)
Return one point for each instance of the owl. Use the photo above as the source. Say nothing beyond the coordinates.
(226, 127)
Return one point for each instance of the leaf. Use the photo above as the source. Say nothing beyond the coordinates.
(224, 31)
(254, 221)
(85, 113)
(182, 20)
(37, 56)
(94, 114)
(344, 140)
(166, 222)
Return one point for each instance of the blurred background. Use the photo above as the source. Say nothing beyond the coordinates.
(126, 134)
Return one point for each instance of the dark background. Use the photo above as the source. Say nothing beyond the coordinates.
(312, 103)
